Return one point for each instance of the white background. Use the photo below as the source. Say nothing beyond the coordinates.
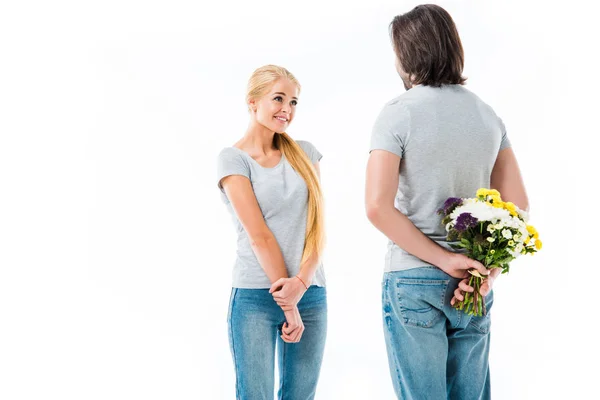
(115, 248)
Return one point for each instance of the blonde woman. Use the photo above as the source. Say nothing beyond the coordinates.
(270, 185)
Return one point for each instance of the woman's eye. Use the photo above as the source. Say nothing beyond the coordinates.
(294, 102)
(278, 98)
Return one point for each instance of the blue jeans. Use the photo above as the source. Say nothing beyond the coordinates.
(434, 351)
(255, 322)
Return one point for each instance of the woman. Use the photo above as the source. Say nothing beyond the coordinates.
(270, 184)
(435, 141)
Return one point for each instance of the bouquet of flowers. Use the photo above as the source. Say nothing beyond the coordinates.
(492, 232)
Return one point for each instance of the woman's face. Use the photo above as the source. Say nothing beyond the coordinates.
(276, 109)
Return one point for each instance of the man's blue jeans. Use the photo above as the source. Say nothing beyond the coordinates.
(255, 322)
(434, 351)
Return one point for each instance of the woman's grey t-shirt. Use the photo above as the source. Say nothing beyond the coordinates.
(283, 199)
(448, 140)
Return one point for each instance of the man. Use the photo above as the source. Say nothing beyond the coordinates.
(437, 140)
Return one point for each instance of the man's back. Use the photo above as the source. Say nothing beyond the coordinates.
(448, 141)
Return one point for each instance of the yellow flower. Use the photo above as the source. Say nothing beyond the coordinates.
(527, 239)
(483, 192)
(538, 244)
(511, 243)
(531, 230)
(511, 208)
(496, 201)
(494, 192)
(492, 251)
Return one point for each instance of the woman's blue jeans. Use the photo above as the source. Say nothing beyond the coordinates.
(255, 322)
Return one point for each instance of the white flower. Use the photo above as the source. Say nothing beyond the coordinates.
(523, 231)
(523, 214)
(480, 210)
(507, 234)
(491, 228)
(519, 248)
(491, 239)
(448, 226)
(513, 222)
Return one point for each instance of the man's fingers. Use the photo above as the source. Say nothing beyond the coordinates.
(460, 274)
(485, 288)
(479, 267)
(465, 287)
(458, 295)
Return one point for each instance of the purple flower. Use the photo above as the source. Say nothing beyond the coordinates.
(464, 222)
(450, 205)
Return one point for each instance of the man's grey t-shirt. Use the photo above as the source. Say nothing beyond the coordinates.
(448, 141)
(283, 199)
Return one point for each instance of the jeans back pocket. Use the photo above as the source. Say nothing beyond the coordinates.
(420, 301)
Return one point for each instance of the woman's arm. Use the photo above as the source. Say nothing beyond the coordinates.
(383, 171)
(287, 292)
(264, 245)
(243, 200)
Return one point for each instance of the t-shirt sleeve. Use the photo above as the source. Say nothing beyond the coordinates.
(505, 142)
(311, 151)
(231, 162)
(391, 129)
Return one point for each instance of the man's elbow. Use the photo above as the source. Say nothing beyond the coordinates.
(375, 211)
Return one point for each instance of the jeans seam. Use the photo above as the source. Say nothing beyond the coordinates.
(237, 385)
(443, 297)
(387, 317)
(283, 372)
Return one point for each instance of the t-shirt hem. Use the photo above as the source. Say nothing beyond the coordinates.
(386, 148)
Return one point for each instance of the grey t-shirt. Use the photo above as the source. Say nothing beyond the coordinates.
(283, 199)
(448, 140)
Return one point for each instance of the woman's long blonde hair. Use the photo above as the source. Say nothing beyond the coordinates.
(259, 84)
